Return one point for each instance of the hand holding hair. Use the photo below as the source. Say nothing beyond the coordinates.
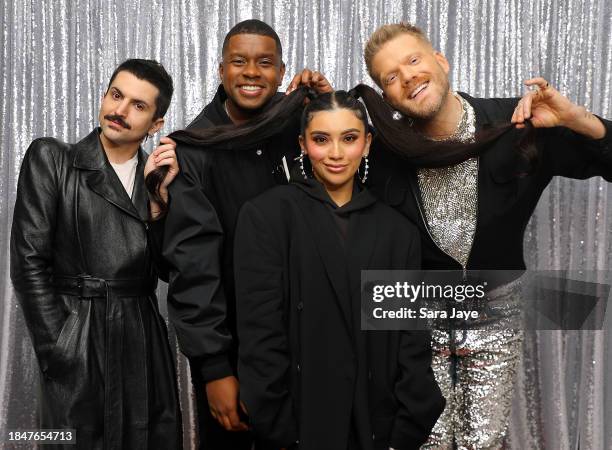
(160, 170)
(312, 79)
(546, 107)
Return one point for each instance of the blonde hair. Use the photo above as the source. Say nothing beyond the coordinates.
(383, 35)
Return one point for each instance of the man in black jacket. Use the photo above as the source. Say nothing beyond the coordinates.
(472, 215)
(82, 269)
(199, 230)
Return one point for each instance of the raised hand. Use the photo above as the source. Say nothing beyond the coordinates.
(313, 79)
(546, 107)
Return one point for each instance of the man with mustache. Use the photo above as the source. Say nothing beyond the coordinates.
(199, 230)
(82, 269)
(473, 214)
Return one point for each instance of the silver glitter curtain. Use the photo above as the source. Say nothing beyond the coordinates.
(57, 56)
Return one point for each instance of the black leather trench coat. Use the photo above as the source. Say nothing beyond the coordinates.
(82, 270)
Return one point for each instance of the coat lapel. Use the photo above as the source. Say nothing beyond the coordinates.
(330, 251)
(362, 234)
(101, 177)
(140, 198)
(415, 192)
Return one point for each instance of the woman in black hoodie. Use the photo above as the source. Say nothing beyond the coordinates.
(309, 376)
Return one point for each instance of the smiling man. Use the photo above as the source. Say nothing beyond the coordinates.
(199, 231)
(473, 214)
(83, 273)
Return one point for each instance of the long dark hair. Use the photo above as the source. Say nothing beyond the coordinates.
(396, 135)
(231, 137)
(420, 151)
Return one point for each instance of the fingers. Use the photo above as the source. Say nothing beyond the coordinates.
(522, 111)
(165, 162)
(295, 82)
(540, 82)
(165, 144)
(235, 422)
(313, 79)
(167, 140)
(527, 100)
(161, 153)
(162, 149)
(229, 420)
(225, 422)
(306, 77)
(301, 79)
(214, 414)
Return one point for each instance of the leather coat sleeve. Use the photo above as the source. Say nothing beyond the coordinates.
(417, 392)
(32, 235)
(155, 236)
(263, 363)
(192, 246)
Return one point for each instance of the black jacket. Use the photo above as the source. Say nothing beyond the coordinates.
(199, 230)
(307, 371)
(82, 271)
(505, 201)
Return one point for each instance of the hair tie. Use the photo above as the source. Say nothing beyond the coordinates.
(311, 93)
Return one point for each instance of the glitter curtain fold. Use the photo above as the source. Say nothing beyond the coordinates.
(57, 57)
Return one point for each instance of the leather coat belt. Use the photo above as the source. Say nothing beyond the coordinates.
(85, 286)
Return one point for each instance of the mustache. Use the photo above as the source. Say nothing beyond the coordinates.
(416, 82)
(119, 119)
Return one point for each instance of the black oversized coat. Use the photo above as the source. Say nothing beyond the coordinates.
(306, 369)
(199, 231)
(506, 196)
(82, 270)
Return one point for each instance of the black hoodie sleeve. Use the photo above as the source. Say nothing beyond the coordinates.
(192, 246)
(264, 362)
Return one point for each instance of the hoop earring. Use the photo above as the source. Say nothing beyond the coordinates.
(365, 171)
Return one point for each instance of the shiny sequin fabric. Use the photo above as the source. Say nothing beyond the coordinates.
(450, 196)
(475, 368)
(478, 390)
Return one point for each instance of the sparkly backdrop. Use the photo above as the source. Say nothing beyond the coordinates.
(57, 56)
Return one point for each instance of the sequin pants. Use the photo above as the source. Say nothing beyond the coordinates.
(476, 371)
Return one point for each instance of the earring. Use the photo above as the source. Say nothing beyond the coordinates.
(396, 115)
(365, 171)
(301, 160)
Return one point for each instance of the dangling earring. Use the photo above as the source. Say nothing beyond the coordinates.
(399, 116)
(365, 172)
(301, 160)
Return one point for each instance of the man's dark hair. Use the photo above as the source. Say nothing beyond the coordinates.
(153, 72)
(253, 26)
